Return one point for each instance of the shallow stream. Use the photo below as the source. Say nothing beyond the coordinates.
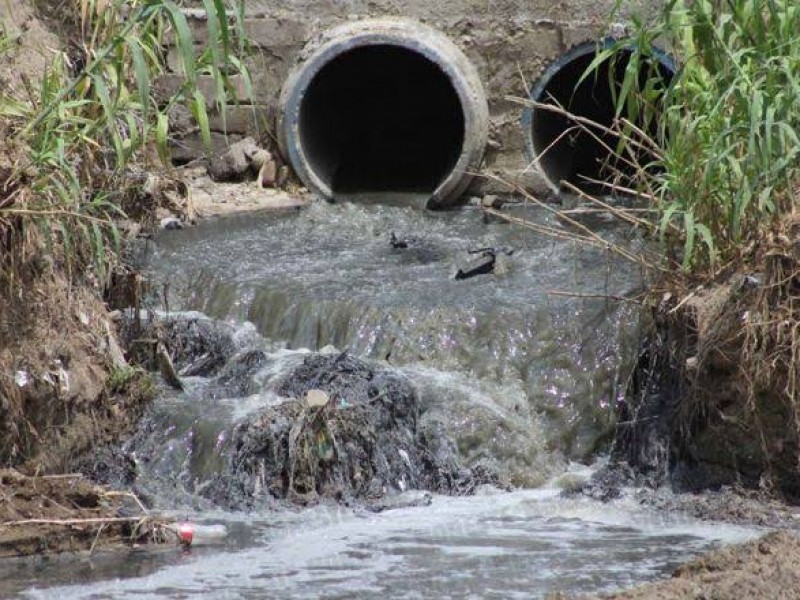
(522, 367)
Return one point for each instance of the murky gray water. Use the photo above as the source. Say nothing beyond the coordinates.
(328, 275)
(523, 379)
(512, 545)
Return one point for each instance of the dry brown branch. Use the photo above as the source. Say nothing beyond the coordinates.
(587, 124)
(620, 213)
(587, 235)
(544, 152)
(596, 296)
(615, 187)
(67, 522)
(112, 494)
(97, 537)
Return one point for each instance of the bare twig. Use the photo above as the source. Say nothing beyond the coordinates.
(587, 123)
(112, 494)
(618, 212)
(587, 236)
(600, 296)
(66, 522)
(97, 537)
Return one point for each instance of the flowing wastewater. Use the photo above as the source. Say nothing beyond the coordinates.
(521, 368)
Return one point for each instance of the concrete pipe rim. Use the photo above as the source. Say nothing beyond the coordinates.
(403, 34)
(576, 53)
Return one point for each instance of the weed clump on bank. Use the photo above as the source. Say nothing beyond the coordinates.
(724, 183)
(81, 137)
(84, 145)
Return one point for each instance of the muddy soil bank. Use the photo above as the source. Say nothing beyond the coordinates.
(65, 388)
(64, 382)
(46, 514)
(714, 400)
(766, 568)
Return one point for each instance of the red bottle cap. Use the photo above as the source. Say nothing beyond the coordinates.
(186, 533)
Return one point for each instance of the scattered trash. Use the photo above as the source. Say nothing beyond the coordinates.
(398, 243)
(171, 223)
(476, 265)
(314, 448)
(404, 455)
(492, 201)
(62, 377)
(192, 534)
(481, 261)
(21, 378)
(324, 445)
(316, 398)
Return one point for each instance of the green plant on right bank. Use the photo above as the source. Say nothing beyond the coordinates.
(728, 147)
(82, 136)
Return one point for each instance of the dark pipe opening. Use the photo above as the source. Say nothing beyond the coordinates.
(577, 155)
(381, 118)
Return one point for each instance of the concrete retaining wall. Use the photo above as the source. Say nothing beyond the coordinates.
(509, 41)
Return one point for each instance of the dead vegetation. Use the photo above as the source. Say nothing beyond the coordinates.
(46, 514)
(716, 398)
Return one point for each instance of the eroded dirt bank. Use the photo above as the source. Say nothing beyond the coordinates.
(47, 514)
(715, 398)
(768, 567)
(65, 385)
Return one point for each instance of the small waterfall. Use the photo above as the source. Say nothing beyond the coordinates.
(522, 367)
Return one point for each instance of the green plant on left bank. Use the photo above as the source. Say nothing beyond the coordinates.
(97, 116)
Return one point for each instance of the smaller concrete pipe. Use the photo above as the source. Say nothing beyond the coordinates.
(562, 152)
(384, 106)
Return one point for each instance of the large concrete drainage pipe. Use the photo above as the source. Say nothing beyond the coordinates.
(564, 152)
(384, 107)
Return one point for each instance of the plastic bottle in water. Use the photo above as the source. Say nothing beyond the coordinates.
(193, 534)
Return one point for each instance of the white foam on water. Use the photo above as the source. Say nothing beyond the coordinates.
(518, 544)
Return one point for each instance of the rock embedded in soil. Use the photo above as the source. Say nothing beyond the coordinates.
(259, 158)
(234, 163)
(268, 174)
(171, 223)
(282, 177)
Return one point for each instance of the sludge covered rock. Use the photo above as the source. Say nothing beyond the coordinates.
(364, 443)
